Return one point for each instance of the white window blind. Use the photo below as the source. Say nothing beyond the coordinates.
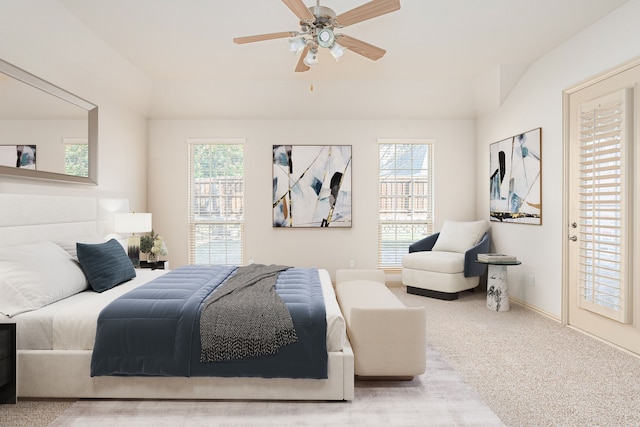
(603, 279)
(216, 202)
(405, 198)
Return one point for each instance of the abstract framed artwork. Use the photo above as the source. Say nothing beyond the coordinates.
(19, 156)
(312, 186)
(515, 179)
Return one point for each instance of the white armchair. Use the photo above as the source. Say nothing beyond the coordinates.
(444, 264)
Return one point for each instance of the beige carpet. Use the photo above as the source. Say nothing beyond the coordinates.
(439, 398)
(531, 370)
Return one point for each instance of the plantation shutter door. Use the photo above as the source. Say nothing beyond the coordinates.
(603, 277)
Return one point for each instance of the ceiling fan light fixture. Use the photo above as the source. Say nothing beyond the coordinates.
(326, 38)
(296, 44)
(337, 51)
(312, 58)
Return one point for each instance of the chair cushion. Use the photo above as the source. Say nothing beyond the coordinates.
(460, 236)
(441, 262)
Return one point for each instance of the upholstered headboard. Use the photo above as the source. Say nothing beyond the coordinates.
(28, 218)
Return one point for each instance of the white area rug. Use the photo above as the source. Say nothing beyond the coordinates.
(437, 398)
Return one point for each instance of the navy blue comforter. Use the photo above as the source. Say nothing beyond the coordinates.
(153, 330)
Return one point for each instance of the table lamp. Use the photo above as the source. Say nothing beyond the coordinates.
(133, 223)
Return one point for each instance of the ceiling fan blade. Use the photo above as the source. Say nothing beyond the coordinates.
(301, 65)
(262, 37)
(367, 11)
(300, 9)
(362, 48)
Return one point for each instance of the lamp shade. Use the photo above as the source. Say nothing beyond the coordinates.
(337, 51)
(132, 222)
(311, 59)
(296, 44)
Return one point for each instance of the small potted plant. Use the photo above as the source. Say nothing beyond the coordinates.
(153, 245)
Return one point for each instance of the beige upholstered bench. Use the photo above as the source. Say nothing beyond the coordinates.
(388, 338)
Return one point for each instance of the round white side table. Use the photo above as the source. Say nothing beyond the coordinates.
(498, 284)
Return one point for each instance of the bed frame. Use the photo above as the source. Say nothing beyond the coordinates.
(65, 373)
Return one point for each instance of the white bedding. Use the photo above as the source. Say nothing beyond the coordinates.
(70, 324)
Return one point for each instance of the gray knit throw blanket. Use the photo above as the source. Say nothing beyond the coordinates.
(245, 316)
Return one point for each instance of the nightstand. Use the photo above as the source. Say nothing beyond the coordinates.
(160, 265)
(8, 357)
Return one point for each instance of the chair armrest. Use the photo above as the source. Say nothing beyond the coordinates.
(425, 244)
(471, 267)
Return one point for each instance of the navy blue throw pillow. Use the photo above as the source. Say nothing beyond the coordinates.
(106, 265)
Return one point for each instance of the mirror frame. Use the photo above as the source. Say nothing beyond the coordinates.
(92, 110)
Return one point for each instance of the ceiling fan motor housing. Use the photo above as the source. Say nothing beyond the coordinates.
(325, 17)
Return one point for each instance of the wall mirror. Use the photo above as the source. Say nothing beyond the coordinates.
(45, 131)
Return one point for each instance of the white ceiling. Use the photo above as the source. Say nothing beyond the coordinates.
(435, 49)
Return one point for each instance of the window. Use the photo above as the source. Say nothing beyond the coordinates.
(405, 198)
(216, 202)
(76, 156)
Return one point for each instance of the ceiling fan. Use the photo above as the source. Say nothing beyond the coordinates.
(317, 29)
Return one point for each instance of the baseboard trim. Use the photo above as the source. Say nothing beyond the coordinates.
(534, 308)
(446, 296)
(602, 340)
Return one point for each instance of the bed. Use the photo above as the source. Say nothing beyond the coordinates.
(55, 341)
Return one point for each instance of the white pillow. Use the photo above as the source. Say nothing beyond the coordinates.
(37, 274)
(460, 236)
(70, 245)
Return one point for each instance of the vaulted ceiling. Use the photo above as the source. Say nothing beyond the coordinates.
(436, 52)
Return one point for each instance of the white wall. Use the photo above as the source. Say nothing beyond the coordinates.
(537, 102)
(326, 248)
(41, 37)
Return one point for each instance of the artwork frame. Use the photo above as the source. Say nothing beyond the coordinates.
(311, 186)
(18, 156)
(515, 177)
